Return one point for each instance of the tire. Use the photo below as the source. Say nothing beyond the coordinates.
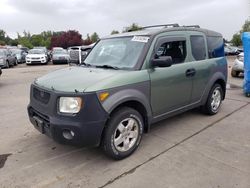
(15, 63)
(7, 64)
(234, 73)
(121, 140)
(214, 100)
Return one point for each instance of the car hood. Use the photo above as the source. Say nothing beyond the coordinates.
(75, 78)
(35, 55)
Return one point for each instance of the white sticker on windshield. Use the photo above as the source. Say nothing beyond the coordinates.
(140, 39)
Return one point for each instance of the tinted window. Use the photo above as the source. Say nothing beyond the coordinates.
(175, 49)
(198, 47)
(215, 47)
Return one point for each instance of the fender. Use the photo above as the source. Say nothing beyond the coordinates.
(216, 76)
(139, 92)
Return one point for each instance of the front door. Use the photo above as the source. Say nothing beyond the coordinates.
(171, 87)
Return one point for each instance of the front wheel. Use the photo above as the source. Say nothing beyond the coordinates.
(123, 133)
(214, 100)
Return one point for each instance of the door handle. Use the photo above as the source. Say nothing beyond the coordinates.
(190, 72)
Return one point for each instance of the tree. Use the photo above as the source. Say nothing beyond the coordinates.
(236, 40)
(67, 39)
(246, 26)
(133, 27)
(87, 41)
(114, 32)
(2, 35)
(25, 42)
(37, 40)
(94, 37)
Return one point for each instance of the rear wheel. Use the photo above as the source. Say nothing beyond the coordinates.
(214, 100)
(123, 133)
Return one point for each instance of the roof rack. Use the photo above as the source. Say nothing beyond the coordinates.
(163, 25)
(194, 26)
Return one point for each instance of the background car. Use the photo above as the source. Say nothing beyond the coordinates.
(78, 53)
(36, 56)
(232, 50)
(238, 66)
(7, 59)
(20, 55)
(45, 51)
(60, 56)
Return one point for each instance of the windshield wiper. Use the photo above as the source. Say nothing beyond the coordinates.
(107, 67)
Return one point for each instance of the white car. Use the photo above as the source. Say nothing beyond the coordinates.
(238, 66)
(36, 56)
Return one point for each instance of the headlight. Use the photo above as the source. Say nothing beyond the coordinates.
(70, 105)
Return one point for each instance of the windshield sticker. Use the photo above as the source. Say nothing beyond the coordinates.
(140, 39)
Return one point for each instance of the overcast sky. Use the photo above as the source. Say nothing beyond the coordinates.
(102, 16)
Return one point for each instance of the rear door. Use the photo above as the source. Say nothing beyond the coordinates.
(201, 64)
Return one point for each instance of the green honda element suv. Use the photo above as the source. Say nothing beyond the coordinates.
(128, 82)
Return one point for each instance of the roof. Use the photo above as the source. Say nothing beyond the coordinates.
(154, 31)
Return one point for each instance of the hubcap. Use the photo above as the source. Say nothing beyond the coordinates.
(216, 99)
(126, 134)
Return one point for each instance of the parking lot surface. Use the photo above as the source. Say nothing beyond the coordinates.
(188, 150)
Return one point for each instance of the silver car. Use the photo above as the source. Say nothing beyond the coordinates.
(60, 56)
(7, 58)
(238, 66)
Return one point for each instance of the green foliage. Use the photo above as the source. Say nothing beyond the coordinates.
(87, 41)
(25, 42)
(133, 27)
(2, 35)
(94, 37)
(236, 40)
(246, 26)
(114, 32)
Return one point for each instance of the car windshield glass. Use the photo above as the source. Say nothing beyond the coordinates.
(117, 52)
(16, 51)
(36, 51)
(60, 52)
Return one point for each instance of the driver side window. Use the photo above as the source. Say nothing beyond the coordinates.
(175, 49)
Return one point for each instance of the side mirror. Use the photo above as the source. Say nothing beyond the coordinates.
(163, 61)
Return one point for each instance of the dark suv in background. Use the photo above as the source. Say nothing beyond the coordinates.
(128, 82)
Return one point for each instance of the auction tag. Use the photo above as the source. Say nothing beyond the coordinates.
(140, 39)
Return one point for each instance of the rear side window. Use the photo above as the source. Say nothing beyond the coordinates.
(198, 47)
(215, 47)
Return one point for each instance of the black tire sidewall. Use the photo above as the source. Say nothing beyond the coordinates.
(116, 118)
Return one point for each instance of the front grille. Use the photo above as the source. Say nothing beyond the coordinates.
(35, 58)
(41, 96)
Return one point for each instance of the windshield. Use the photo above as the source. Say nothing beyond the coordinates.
(36, 51)
(117, 52)
(60, 52)
(15, 51)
